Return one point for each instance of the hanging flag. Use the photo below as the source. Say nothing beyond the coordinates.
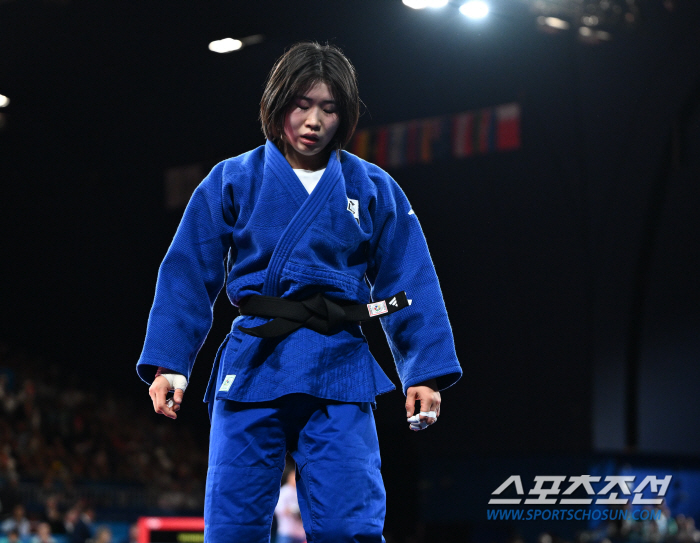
(412, 143)
(425, 140)
(508, 131)
(381, 146)
(464, 135)
(483, 135)
(442, 137)
(397, 145)
(360, 144)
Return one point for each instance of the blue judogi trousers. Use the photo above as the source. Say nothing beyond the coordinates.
(335, 447)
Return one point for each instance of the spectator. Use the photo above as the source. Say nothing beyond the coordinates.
(102, 535)
(290, 528)
(53, 516)
(43, 534)
(11, 537)
(133, 534)
(18, 521)
(9, 494)
(82, 528)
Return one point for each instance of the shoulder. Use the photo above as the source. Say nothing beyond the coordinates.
(248, 163)
(353, 165)
(387, 189)
(359, 170)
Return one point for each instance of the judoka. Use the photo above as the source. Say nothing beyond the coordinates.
(308, 241)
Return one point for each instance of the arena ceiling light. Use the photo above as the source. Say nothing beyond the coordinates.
(4, 101)
(474, 9)
(225, 46)
(421, 4)
(553, 22)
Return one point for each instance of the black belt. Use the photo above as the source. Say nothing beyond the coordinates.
(316, 313)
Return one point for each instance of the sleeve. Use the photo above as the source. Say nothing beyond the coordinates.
(420, 335)
(189, 280)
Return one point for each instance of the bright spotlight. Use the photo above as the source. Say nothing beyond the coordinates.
(226, 45)
(420, 4)
(475, 9)
(4, 101)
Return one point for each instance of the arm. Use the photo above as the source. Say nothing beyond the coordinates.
(189, 280)
(419, 336)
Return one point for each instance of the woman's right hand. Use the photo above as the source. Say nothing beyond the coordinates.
(159, 391)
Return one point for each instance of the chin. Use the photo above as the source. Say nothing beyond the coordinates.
(309, 152)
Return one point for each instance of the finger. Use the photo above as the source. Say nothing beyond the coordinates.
(410, 403)
(429, 409)
(177, 399)
(418, 425)
(161, 403)
(426, 409)
(152, 394)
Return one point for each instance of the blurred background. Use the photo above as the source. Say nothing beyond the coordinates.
(551, 150)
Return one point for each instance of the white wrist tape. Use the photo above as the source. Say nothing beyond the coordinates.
(176, 380)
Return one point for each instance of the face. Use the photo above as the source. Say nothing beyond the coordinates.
(309, 127)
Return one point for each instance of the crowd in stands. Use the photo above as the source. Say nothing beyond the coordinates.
(660, 527)
(76, 525)
(58, 435)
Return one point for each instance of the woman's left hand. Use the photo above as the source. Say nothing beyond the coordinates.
(429, 397)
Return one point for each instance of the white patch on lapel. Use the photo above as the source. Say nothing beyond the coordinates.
(354, 208)
(411, 212)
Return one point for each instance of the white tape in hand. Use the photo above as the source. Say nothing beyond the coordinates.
(176, 380)
(417, 424)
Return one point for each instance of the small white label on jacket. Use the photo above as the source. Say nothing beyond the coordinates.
(354, 208)
(227, 383)
(377, 309)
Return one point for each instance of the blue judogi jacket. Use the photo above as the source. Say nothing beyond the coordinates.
(252, 226)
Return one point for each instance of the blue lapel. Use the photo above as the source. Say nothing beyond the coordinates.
(278, 167)
(309, 207)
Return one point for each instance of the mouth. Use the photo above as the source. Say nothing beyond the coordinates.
(309, 139)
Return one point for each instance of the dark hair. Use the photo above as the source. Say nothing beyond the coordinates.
(304, 65)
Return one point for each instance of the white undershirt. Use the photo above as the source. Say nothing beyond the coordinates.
(308, 178)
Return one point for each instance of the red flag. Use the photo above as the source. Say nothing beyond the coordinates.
(484, 130)
(508, 129)
(381, 146)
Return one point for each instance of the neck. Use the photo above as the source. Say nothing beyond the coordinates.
(312, 163)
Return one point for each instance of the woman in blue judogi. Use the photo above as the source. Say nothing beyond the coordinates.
(308, 240)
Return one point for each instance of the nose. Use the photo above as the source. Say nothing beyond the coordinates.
(313, 119)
